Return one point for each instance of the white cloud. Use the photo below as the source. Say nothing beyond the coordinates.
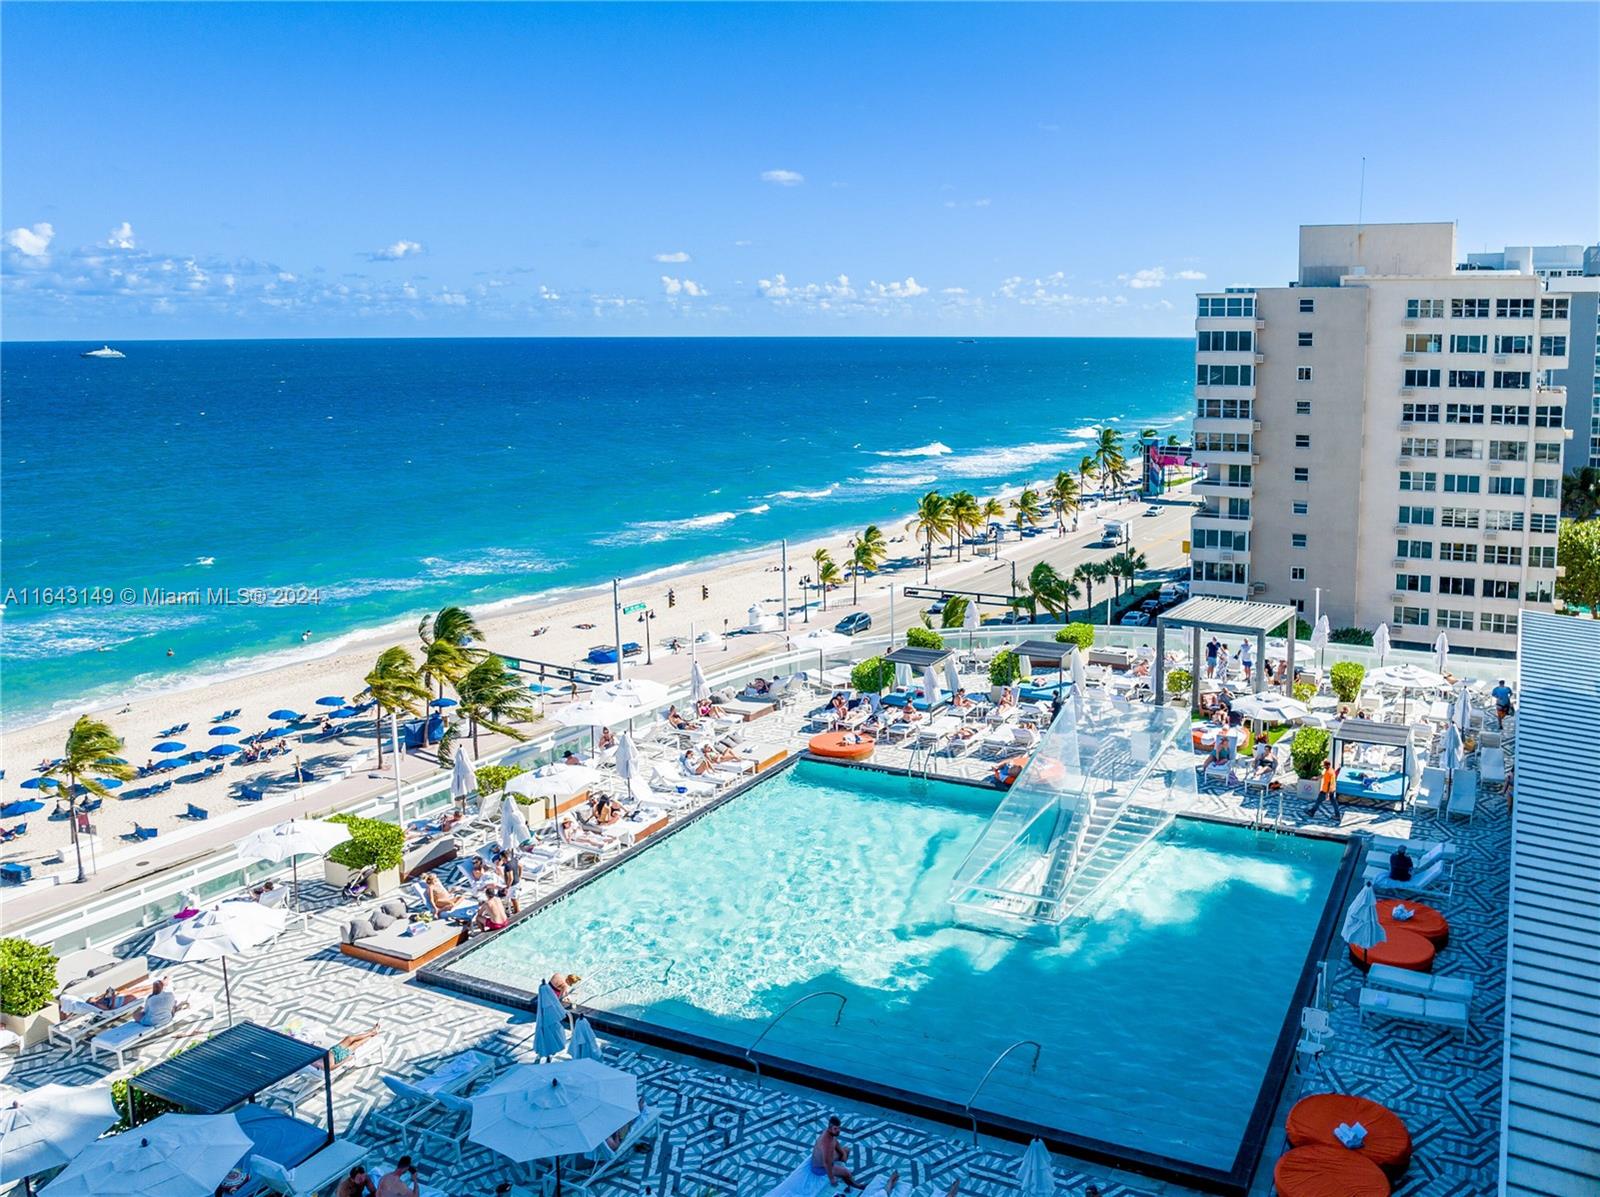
(909, 289)
(743, 244)
(393, 253)
(1141, 280)
(547, 294)
(681, 286)
(1051, 291)
(675, 256)
(34, 242)
(952, 291)
(285, 277)
(120, 237)
(840, 294)
(451, 299)
(783, 178)
(1191, 276)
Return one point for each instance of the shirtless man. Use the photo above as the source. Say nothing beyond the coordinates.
(829, 1154)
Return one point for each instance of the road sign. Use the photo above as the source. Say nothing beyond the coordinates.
(633, 608)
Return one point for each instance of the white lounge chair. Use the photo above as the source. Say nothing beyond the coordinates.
(1430, 794)
(1463, 794)
(1492, 766)
(82, 1022)
(1426, 985)
(1407, 1007)
(1438, 878)
(610, 1163)
(312, 1176)
(127, 1037)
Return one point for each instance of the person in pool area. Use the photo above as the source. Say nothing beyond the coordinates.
(578, 837)
(605, 811)
(1328, 792)
(346, 1047)
(356, 1184)
(829, 1154)
(441, 899)
(960, 702)
(491, 914)
(1400, 864)
(563, 983)
(1502, 699)
(607, 739)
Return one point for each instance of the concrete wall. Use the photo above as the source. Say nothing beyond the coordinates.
(1330, 251)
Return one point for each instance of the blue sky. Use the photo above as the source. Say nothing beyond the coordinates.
(366, 170)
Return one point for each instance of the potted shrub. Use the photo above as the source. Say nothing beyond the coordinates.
(1305, 691)
(1080, 634)
(493, 778)
(1179, 683)
(1307, 751)
(372, 842)
(872, 676)
(1004, 670)
(918, 636)
(1345, 677)
(27, 990)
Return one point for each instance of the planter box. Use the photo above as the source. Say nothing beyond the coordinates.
(32, 1028)
(382, 882)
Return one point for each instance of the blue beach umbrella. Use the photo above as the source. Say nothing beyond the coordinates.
(285, 714)
(344, 713)
(169, 746)
(40, 783)
(225, 750)
(443, 702)
(109, 783)
(223, 729)
(25, 807)
(540, 688)
(330, 700)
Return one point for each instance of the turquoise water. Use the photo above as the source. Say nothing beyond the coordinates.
(379, 479)
(1157, 1012)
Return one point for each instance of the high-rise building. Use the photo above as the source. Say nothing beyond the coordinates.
(1384, 437)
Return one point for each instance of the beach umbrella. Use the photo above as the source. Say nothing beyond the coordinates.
(550, 1020)
(25, 807)
(902, 676)
(44, 1128)
(223, 729)
(463, 781)
(969, 621)
(591, 712)
(561, 781)
(930, 687)
(1079, 674)
(1362, 928)
(290, 841)
(1461, 717)
(1036, 1177)
(540, 1111)
(1380, 642)
(1441, 650)
(1270, 708)
(175, 1155)
(952, 678)
(110, 783)
(513, 826)
(330, 700)
(628, 767)
(699, 689)
(167, 746)
(285, 714)
(230, 929)
(224, 750)
(639, 693)
(584, 1045)
(443, 702)
(1320, 635)
(41, 783)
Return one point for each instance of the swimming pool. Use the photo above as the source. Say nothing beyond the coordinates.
(1157, 1013)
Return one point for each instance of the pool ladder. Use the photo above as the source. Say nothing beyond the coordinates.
(777, 1018)
(998, 1060)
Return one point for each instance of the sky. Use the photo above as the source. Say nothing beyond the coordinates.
(276, 170)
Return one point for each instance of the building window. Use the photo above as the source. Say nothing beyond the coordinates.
(1495, 589)
(1457, 449)
(1461, 484)
(1297, 540)
(1470, 309)
(1424, 342)
(1503, 521)
(1505, 625)
(1224, 376)
(1227, 305)
(1458, 551)
(1508, 451)
(1473, 343)
(1416, 516)
(1420, 378)
(1542, 557)
(1419, 480)
(1514, 309)
(1302, 473)
(1414, 550)
(1514, 344)
(1467, 380)
(1223, 409)
(1455, 620)
(1460, 587)
(1231, 340)
(1297, 573)
(1464, 413)
(1302, 440)
(1501, 485)
(1302, 407)
(1416, 617)
(1416, 583)
(1547, 488)
(1547, 416)
(1508, 413)
(1553, 346)
(1547, 452)
(1553, 307)
(1304, 339)
(1424, 309)
(1308, 305)
(1419, 413)
(1512, 380)
(1541, 592)
(1302, 373)
(1544, 523)
(1458, 517)
(1419, 446)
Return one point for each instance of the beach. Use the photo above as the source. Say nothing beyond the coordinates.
(559, 631)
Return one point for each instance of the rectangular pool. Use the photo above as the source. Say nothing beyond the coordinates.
(1157, 1013)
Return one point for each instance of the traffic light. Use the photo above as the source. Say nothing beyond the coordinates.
(672, 598)
(705, 593)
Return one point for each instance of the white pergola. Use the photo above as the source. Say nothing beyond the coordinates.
(1233, 617)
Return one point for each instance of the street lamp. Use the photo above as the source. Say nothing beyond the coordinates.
(805, 597)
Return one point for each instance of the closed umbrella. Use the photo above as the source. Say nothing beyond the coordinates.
(550, 1021)
(902, 676)
(628, 766)
(1441, 650)
(1452, 750)
(969, 621)
(1462, 716)
(1036, 1177)
(45, 1128)
(540, 1111)
(1362, 928)
(231, 929)
(930, 687)
(584, 1045)
(1380, 642)
(1320, 635)
(698, 687)
(175, 1155)
(1079, 675)
(463, 781)
(952, 679)
(513, 826)
(292, 840)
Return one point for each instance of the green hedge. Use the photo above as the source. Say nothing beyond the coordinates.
(1080, 634)
(372, 842)
(1308, 750)
(1005, 668)
(920, 637)
(1350, 636)
(492, 778)
(1345, 677)
(872, 675)
(27, 977)
(1179, 681)
(1305, 691)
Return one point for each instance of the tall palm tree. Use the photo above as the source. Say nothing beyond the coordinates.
(396, 686)
(1108, 458)
(91, 747)
(1048, 589)
(1063, 496)
(965, 516)
(1027, 508)
(491, 697)
(993, 511)
(446, 649)
(1124, 566)
(954, 614)
(827, 575)
(931, 520)
(867, 552)
(1580, 493)
(1088, 574)
(1085, 468)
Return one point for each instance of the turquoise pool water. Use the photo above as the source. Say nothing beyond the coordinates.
(1157, 1012)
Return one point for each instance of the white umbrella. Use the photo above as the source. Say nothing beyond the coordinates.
(821, 641)
(549, 1026)
(699, 689)
(536, 1111)
(46, 1127)
(952, 678)
(1406, 678)
(628, 767)
(1320, 635)
(592, 712)
(1441, 650)
(640, 693)
(902, 676)
(930, 687)
(1380, 642)
(584, 1045)
(1362, 928)
(1270, 708)
(1079, 676)
(1462, 716)
(230, 929)
(562, 781)
(1024, 667)
(292, 840)
(1036, 1177)
(463, 781)
(175, 1155)
(969, 621)
(513, 825)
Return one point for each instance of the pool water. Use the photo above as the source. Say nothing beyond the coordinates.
(1156, 1012)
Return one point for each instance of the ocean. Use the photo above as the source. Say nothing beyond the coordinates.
(339, 485)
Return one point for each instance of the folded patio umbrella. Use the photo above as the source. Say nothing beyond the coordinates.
(1441, 651)
(1380, 642)
(584, 1045)
(549, 1030)
(1362, 928)
(463, 781)
(698, 687)
(513, 826)
(1036, 1177)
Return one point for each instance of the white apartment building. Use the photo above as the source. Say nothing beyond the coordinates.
(1384, 433)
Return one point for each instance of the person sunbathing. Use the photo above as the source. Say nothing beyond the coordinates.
(603, 810)
(910, 714)
(579, 837)
(441, 899)
(841, 709)
(710, 710)
(689, 763)
(961, 702)
(829, 1154)
(341, 1052)
(760, 686)
(677, 720)
(607, 740)
(715, 755)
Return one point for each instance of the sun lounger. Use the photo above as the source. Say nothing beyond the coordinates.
(321, 1172)
(1463, 794)
(1430, 794)
(1426, 985)
(1407, 1007)
(81, 1022)
(127, 1037)
(934, 732)
(430, 1107)
(1492, 766)
(609, 1163)
(1437, 878)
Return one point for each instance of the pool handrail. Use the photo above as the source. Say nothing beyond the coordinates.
(777, 1018)
(998, 1060)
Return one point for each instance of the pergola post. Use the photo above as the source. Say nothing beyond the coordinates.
(1258, 676)
(1161, 661)
(1195, 673)
(1288, 667)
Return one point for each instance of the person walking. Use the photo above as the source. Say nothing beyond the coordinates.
(1329, 793)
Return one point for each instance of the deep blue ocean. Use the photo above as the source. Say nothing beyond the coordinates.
(392, 477)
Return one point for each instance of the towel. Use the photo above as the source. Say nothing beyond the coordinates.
(1351, 1134)
(1402, 913)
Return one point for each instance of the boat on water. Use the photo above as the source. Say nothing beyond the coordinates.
(103, 351)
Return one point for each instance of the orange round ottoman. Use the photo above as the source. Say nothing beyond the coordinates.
(1424, 921)
(838, 747)
(1328, 1172)
(1388, 1142)
(1403, 949)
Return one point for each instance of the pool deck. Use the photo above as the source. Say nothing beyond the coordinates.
(723, 1134)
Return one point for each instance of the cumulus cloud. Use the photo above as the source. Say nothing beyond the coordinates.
(675, 256)
(681, 286)
(909, 289)
(120, 237)
(1191, 276)
(547, 294)
(783, 178)
(32, 242)
(839, 294)
(1052, 291)
(393, 253)
(952, 290)
(1141, 280)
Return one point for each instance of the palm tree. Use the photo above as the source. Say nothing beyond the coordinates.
(446, 655)
(1063, 496)
(396, 685)
(491, 697)
(932, 520)
(993, 511)
(955, 611)
(1085, 468)
(92, 747)
(1108, 458)
(867, 552)
(1123, 567)
(1027, 507)
(965, 516)
(827, 575)
(1148, 434)
(1580, 493)
(1048, 589)
(1089, 573)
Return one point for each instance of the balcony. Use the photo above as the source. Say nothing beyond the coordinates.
(1232, 590)
(1221, 488)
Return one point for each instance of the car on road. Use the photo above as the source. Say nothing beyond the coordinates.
(1135, 619)
(1153, 509)
(851, 624)
(937, 606)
